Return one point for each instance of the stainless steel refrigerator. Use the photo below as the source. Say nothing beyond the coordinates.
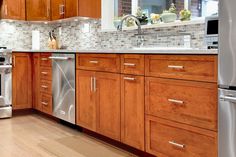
(227, 78)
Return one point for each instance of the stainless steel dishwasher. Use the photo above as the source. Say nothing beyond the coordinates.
(63, 86)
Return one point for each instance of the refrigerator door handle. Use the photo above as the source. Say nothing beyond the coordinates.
(228, 98)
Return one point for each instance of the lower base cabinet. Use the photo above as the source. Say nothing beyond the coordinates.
(132, 111)
(98, 102)
(22, 81)
(107, 87)
(168, 139)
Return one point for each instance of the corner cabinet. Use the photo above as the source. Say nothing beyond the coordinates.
(38, 10)
(21, 81)
(13, 9)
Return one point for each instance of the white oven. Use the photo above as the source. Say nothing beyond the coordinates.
(211, 32)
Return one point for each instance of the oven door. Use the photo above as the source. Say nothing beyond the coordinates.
(6, 85)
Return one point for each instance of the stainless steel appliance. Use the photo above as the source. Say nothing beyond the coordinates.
(63, 86)
(211, 32)
(227, 78)
(5, 83)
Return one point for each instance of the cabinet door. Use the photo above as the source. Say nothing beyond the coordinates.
(107, 87)
(13, 9)
(21, 81)
(36, 82)
(57, 9)
(71, 8)
(90, 8)
(132, 111)
(85, 105)
(38, 10)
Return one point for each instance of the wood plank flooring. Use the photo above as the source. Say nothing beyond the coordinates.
(36, 136)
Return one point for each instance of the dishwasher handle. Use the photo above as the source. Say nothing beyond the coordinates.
(60, 58)
(228, 98)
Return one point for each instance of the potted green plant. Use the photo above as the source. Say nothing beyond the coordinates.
(185, 15)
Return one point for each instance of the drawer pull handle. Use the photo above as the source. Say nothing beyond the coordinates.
(129, 78)
(93, 62)
(176, 101)
(44, 103)
(177, 144)
(129, 64)
(44, 59)
(44, 86)
(44, 73)
(175, 66)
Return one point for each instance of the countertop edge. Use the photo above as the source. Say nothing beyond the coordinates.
(197, 51)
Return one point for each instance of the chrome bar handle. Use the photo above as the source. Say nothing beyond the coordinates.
(129, 78)
(176, 66)
(91, 84)
(44, 59)
(44, 103)
(177, 144)
(129, 64)
(43, 86)
(94, 84)
(176, 101)
(93, 62)
(44, 73)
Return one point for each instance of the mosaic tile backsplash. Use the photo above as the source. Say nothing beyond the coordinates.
(87, 35)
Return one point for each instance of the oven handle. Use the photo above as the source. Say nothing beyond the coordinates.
(5, 66)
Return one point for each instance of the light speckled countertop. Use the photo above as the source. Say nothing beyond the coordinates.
(131, 51)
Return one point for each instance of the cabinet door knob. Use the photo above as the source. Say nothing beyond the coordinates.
(44, 73)
(43, 86)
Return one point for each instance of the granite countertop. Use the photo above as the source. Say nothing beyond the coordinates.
(131, 51)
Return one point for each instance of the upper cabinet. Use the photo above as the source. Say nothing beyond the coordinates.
(46, 10)
(13, 9)
(64, 9)
(38, 10)
(90, 8)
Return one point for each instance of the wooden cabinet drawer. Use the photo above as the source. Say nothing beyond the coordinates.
(45, 73)
(99, 62)
(46, 86)
(189, 102)
(168, 139)
(45, 60)
(46, 102)
(189, 67)
(132, 64)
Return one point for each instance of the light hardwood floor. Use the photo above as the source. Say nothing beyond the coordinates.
(36, 136)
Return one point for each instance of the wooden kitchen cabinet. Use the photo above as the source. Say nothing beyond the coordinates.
(107, 87)
(189, 102)
(168, 139)
(13, 9)
(64, 9)
(90, 8)
(38, 10)
(132, 111)
(98, 102)
(36, 81)
(22, 81)
(86, 103)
